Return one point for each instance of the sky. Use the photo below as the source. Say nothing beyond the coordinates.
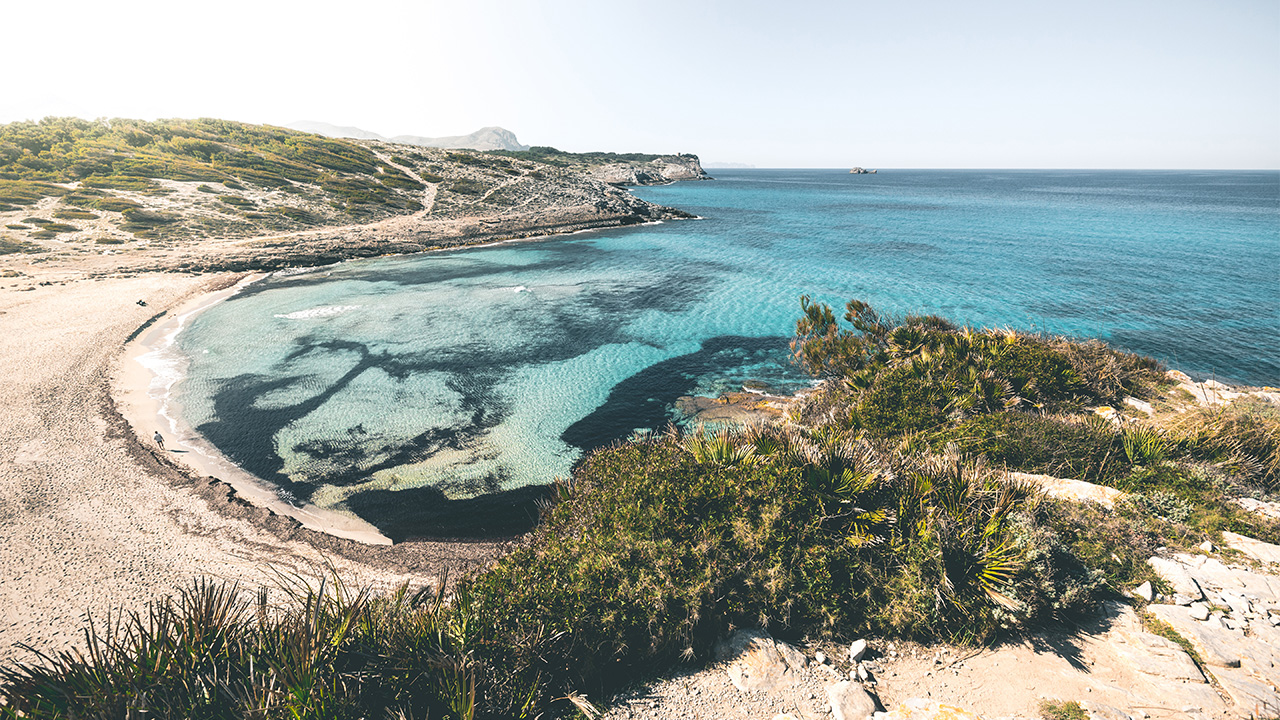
(908, 84)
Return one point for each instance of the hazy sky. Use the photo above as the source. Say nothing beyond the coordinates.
(1093, 84)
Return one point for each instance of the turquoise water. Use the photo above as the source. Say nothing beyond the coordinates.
(423, 392)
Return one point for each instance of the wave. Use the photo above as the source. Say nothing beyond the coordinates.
(323, 311)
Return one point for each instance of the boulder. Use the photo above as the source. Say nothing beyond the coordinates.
(850, 701)
(756, 662)
(1145, 591)
(856, 650)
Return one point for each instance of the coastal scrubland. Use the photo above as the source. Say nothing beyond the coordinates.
(888, 504)
(211, 194)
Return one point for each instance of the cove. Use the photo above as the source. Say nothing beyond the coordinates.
(433, 395)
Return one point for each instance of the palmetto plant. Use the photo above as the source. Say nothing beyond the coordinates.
(1144, 445)
(722, 448)
(964, 510)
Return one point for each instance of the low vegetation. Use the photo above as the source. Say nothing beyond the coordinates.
(886, 508)
(116, 165)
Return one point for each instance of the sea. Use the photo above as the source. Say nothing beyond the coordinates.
(436, 394)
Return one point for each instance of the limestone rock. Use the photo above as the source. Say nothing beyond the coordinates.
(756, 662)
(1145, 591)
(849, 701)
(856, 650)
(1177, 575)
(1199, 611)
(663, 170)
(1258, 507)
(1256, 549)
(1075, 490)
(1139, 405)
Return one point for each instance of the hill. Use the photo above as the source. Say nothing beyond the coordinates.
(486, 138)
(216, 194)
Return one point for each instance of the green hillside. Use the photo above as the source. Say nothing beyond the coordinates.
(260, 177)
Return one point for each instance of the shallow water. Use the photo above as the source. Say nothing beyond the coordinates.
(393, 387)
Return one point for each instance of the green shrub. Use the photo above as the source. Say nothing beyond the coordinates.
(1243, 437)
(662, 544)
(109, 241)
(1030, 442)
(9, 246)
(27, 193)
(1062, 710)
(213, 651)
(73, 214)
(121, 182)
(237, 201)
(58, 228)
(112, 203)
(298, 214)
(467, 187)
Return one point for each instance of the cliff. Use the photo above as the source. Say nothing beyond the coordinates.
(659, 171)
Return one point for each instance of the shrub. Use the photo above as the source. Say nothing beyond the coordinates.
(9, 246)
(661, 544)
(17, 192)
(467, 187)
(73, 214)
(112, 203)
(1243, 437)
(216, 652)
(121, 182)
(237, 201)
(1030, 442)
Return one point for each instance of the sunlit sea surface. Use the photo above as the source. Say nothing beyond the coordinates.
(400, 388)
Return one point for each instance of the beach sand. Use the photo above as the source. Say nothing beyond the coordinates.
(92, 519)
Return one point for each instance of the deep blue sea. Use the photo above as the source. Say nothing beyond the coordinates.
(402, 388)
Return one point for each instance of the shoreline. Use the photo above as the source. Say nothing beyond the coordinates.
(142, 396)
(142, 392)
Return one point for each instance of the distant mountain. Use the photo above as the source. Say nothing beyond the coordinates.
(333, 131)
(728, 166)
(486, 138)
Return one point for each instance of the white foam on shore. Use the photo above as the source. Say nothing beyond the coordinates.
(167, 366)
(318, 312)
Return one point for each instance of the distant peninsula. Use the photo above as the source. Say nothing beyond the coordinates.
(205, 195)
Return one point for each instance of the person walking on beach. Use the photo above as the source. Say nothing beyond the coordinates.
(159, 439)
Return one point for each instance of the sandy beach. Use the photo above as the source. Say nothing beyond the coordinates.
(91, 519)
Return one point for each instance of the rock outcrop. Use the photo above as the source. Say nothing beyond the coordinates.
(1237, 630)
(660, 171)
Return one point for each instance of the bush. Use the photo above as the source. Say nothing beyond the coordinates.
(114, 204)
(661, 545)
(216, 652)
(237, 201)
(1243, 437)
(9, 246)
(27, 193)
(73, 214)
(1084, 450)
